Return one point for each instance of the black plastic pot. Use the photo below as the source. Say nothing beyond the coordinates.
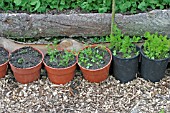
(152, 70)
(125, 70)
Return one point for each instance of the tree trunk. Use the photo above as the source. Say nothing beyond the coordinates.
(113, 17)
(92, 24)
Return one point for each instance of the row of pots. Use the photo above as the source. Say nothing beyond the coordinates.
(123, 69)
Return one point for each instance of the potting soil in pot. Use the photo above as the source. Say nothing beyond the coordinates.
(3, 55)
(25, 57)
(58, 58)
(99, 63)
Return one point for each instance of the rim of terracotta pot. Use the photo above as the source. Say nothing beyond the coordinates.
(60, 68)
(94, 45)
(4, 63)
(8, 58)
(32, 66)
(158, 60)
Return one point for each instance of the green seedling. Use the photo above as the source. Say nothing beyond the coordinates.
(90, 56)
(122, 44)
(55, 54)
(20, 60)
(23, 51)
(156, 46)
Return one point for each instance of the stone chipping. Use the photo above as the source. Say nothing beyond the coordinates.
(81, 96)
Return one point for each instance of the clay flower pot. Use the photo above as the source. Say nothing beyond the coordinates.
(60, 75)
(57, 74)
(28, 74)
(96, 75)
(4, 63)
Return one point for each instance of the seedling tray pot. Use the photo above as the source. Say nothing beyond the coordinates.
(153, 70)
(124, 69)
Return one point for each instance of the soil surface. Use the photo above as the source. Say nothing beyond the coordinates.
(101, 63)
(25, 57)
(3, 55)
(57, 63)
(132, 55)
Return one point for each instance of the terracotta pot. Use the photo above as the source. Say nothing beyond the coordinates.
(60, 75)
(4, 67)
(96, 75)
(27, 75)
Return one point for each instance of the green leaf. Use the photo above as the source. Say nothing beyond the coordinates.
(153, 1)
(37, 6)
(24, 2)
(162, 111)
(102, 10)
(89, 1)
(17, 2)
(33, 2)
(114, 52)
(108, 2)
(122, 8)
(62, 2)
(160, 6)
(142, 6)
(127, 4)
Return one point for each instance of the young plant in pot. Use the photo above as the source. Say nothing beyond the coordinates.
(60, 64)
(26, 64)
(94, 62)
(155, 55)
(125, 55)
(4, 56)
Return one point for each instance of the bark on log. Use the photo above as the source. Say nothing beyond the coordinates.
(93, 24)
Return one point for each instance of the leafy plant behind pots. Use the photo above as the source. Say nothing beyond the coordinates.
(3, 55)
(156, 46)
(25, 57)
(94, 58)
(123, 46)
(59, 59)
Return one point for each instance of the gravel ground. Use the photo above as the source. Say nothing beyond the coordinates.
(80, 96)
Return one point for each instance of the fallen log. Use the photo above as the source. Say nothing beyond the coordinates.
(91, 24)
